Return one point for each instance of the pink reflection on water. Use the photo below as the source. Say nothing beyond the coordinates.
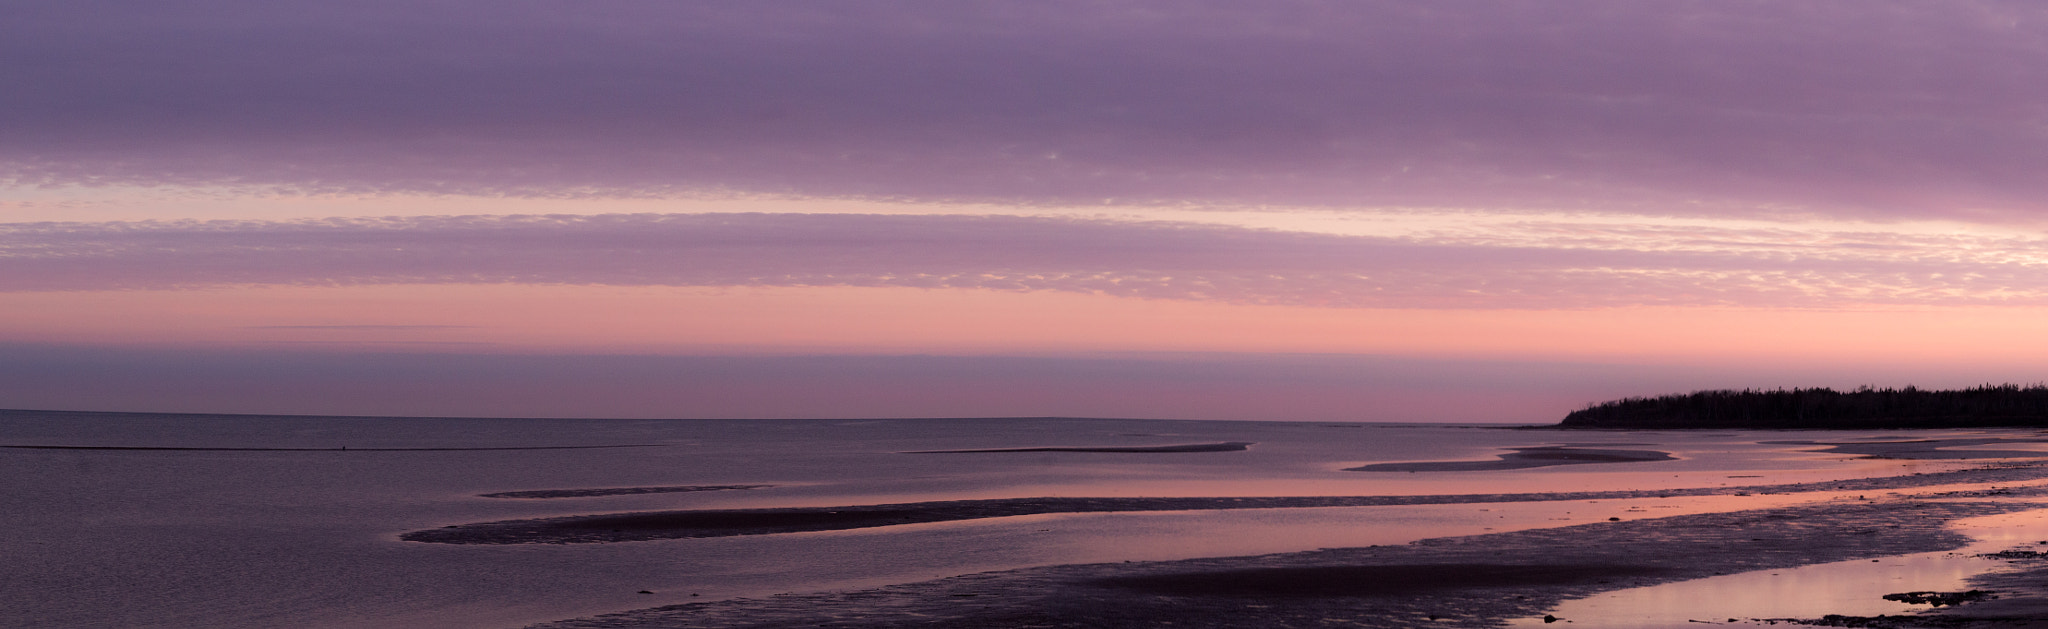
(1161, 536)
(1854, 588)
(1118, 483)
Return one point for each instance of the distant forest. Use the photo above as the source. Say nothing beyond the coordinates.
(1983, 406)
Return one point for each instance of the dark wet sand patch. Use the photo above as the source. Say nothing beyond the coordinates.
(1370, 581)
(1476, 581)
(539, 494)
(334, 449)
(1524, 458)
(2018, 598)
(1227, 446)
(687, 524)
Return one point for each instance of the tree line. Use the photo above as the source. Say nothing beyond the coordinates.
(1864, 407)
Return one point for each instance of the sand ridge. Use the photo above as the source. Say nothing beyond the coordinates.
(1524, 458)
(687, 524)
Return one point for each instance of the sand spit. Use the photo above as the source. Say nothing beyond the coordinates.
(682, 524)
(542, 494)
(1477, 581)
(1523, 458)
(1227, 446)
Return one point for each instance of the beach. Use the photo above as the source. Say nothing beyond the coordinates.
(648, 314)
(1474, 581)
(162, 520)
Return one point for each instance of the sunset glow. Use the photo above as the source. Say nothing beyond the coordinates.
(1734, 196)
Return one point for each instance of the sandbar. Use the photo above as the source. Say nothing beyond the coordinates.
(1524, 458)
(702, 523)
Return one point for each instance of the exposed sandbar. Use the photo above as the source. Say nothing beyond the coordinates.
(541, 494)
(1227, 446)
(682, 524)
(1523, 458)
(1369, 581)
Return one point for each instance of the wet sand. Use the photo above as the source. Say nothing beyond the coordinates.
(1524, 458)
(1474, 581)
(2021, 601)
(686, 524)
(1477, 581)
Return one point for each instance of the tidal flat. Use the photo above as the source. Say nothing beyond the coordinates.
(125, 520)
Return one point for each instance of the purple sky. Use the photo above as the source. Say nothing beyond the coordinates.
(167, 170)
(1843, 108)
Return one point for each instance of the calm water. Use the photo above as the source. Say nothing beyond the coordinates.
(122, 538)
(1853, 588)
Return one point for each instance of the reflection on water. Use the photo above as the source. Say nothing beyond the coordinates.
(1852, 588)
(309, 538)
(1161, 536)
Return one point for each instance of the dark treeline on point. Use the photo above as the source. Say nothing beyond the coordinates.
(1987, 405)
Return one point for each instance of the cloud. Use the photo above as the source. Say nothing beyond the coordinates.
(1898, 110)
(1537, 266)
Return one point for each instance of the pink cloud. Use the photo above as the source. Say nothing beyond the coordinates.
(1143, 260)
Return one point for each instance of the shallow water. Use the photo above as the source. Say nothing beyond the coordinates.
(1852, 588)
(106, 538)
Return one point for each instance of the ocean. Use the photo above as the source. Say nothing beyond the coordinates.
(154, 520)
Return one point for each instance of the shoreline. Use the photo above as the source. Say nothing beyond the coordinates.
(1468, 581)
(705, 523)
(1472, 581)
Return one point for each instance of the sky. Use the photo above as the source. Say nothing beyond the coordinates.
(1315, 211)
